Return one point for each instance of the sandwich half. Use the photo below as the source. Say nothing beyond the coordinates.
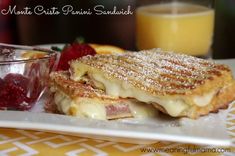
(176, 84)
(80, 99)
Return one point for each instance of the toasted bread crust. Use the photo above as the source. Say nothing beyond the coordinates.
(160, 73)
(75, 89)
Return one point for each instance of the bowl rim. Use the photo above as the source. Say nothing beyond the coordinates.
(50, 53)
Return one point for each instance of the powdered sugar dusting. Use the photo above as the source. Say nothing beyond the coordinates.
(156, 71)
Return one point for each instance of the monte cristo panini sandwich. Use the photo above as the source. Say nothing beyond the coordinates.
(176, 84)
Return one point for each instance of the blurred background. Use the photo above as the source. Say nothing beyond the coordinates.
(118, 30)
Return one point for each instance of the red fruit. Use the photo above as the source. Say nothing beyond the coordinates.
(13, 96)
(13, 92)
(72, 52)
(17, 80)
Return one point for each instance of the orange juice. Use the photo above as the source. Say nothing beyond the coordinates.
(180, 27)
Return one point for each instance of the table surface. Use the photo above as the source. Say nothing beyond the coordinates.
(15, 142)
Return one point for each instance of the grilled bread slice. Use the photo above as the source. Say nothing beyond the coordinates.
(81, 99)
(176, 84)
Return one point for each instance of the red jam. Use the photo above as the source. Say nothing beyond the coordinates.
(13, 93)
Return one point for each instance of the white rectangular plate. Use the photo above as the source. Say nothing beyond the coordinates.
(208, 130)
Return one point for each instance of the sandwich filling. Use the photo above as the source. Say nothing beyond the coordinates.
(174, 106)
(97, 108)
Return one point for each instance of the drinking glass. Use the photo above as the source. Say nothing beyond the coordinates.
(182, 26)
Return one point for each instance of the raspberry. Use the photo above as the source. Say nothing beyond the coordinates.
(13, 92)
(14, 95)
(17, 80)
(72, 52)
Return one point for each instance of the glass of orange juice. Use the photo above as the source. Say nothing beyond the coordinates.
(183, 26)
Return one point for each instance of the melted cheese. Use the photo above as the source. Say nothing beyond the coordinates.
(173, 106)
(204, 100)
(95, 109)
(112, 88)
(83, 108)
(63, 102)
(141, 110)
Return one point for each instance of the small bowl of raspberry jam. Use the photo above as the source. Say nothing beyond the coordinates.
(24, 75)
